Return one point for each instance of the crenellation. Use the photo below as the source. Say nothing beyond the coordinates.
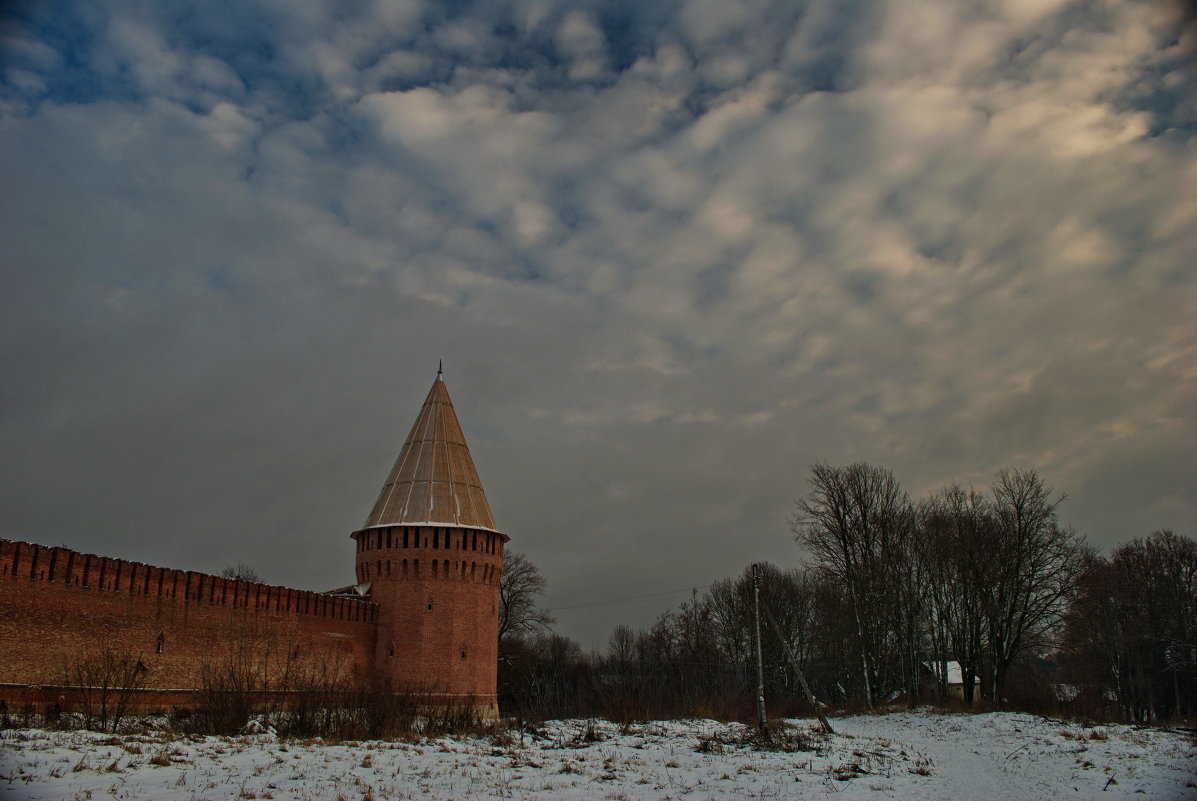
(75, 570)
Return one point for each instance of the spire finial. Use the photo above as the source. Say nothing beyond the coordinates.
(440, 369)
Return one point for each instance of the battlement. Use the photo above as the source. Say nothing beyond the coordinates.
(68, 568)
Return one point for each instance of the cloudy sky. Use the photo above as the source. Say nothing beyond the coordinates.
(672, 253)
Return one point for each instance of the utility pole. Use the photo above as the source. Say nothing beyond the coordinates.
(814, 702)
(760, 657)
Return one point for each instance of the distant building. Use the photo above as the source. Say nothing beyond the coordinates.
(422, 616)
(952, 678)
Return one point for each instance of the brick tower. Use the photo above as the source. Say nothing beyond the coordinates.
(432, 556)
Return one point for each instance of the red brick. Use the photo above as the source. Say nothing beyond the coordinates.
(57, 606)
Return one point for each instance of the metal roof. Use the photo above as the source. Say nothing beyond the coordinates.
(434, 481)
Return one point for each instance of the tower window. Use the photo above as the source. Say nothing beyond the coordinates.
(463, 653)
(161, 646)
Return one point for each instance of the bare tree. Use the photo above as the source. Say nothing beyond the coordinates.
(621, 647)
(106, 682)
(856, 524)
(958, 531)
(789, 594)
(1132, 628)
(242, 572)
(1035, 566)
(543, 675)
(519, 590)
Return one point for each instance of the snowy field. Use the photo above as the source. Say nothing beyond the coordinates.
(899, 755)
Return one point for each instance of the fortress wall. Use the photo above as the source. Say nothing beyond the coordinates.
(59, 607)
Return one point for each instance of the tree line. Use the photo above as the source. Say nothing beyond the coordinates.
(974, 596)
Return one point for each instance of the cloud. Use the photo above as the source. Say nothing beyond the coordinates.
(583, 44)
(672, 254)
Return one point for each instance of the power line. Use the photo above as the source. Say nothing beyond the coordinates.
(659, 596)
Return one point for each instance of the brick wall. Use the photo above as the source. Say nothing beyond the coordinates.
(57, 606)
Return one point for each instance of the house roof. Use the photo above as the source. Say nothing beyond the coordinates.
(434, 481)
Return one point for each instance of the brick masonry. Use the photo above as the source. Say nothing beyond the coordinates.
(437, 590)
(58, 606)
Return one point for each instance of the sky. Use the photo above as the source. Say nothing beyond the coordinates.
(671, 253)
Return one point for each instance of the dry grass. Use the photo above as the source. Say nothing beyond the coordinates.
(779, 736)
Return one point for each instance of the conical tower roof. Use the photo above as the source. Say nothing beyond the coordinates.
(433, 480)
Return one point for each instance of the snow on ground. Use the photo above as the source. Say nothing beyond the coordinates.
(908, 755)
